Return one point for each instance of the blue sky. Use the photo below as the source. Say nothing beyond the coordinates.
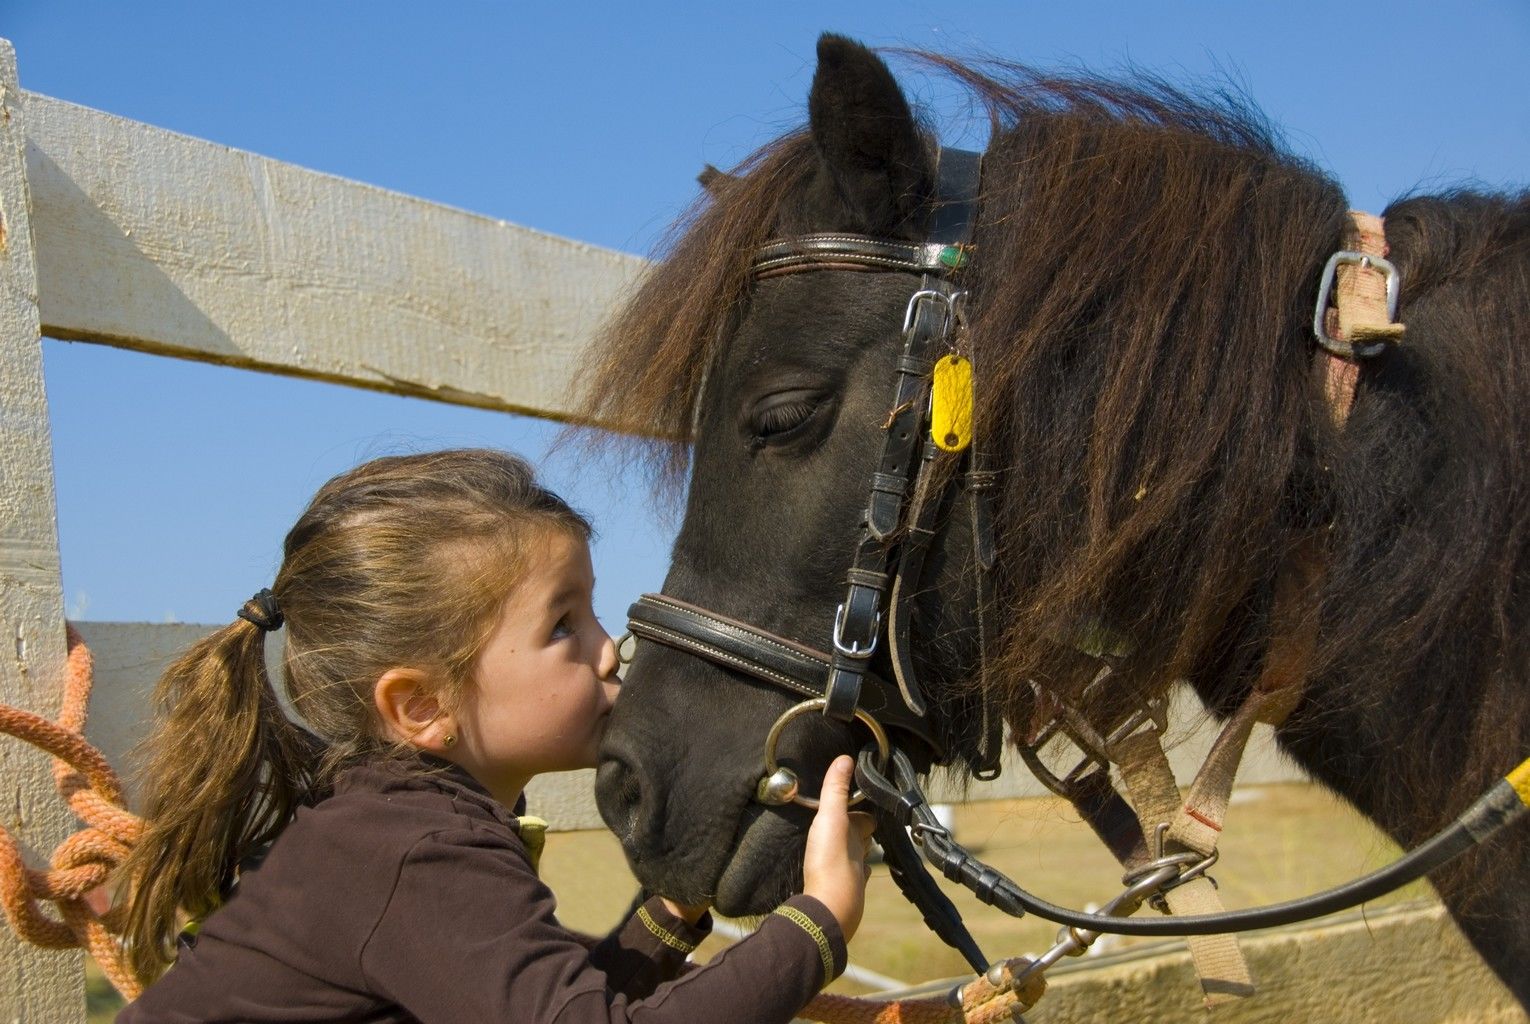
(176, 481)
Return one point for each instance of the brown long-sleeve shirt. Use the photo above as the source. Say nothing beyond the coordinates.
(411, 898)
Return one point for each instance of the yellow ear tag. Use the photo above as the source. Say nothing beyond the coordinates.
(951, 403)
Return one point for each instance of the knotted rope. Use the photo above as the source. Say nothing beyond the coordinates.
(84, 861)
(981, 1002)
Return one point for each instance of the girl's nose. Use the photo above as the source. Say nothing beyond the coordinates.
(608, 663)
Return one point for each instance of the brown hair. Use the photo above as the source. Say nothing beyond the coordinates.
(402, 561)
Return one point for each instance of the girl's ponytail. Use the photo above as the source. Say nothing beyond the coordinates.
(403, 561)
(224, 771)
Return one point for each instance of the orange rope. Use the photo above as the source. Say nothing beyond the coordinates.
(981, 1003)
(84, 861)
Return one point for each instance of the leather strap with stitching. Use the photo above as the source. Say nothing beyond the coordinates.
(763, 655)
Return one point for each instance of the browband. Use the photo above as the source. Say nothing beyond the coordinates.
(858, 251)
(945, 253)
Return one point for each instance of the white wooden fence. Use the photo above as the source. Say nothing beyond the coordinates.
(128, 235)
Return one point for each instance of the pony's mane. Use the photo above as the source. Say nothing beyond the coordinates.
(653, 354)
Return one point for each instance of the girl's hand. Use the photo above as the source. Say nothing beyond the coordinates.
(834, 870)
(689, 913)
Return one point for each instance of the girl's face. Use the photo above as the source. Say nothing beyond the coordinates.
(545, 681)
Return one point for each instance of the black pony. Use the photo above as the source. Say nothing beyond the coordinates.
(1145, 267)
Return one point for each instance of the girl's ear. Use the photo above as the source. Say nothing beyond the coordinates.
(410, 711)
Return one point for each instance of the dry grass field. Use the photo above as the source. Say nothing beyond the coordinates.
(1282, 841)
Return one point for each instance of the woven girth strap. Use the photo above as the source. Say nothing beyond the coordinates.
(87, 859)
(1149, 779)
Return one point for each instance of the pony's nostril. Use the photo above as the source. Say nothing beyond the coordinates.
(619, 795)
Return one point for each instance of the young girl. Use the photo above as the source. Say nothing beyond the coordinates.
(442, 649)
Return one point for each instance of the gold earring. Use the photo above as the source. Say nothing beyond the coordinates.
(449, 741)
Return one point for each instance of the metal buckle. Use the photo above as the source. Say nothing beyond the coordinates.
(1093, 747)
(918, 830)
(953, 302)
(854, 649)
(1344, 349)
(1188, 866)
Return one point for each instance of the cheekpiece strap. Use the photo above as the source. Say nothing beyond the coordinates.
(929, 325)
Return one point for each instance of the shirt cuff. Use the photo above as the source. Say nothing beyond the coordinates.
(670, 929)
(808, 914)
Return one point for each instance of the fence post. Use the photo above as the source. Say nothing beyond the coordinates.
(36, 986)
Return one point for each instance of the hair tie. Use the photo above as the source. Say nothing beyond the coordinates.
(263, 611)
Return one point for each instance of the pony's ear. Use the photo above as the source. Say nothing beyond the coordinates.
(713, 180)
(874, 157)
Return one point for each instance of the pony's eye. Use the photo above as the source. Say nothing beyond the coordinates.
(777, 416)
(781, 418)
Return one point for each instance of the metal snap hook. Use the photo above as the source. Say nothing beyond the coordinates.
(780, 785)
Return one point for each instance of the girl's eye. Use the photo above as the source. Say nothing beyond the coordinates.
(562, 629)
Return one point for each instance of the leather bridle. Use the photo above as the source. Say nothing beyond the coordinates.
(897, 530)
(898, 523)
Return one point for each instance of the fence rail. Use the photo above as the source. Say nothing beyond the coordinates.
(162, 243)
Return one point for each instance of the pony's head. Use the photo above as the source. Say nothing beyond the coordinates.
(1115, 224)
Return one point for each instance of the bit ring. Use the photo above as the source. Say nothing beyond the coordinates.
(772, 767)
